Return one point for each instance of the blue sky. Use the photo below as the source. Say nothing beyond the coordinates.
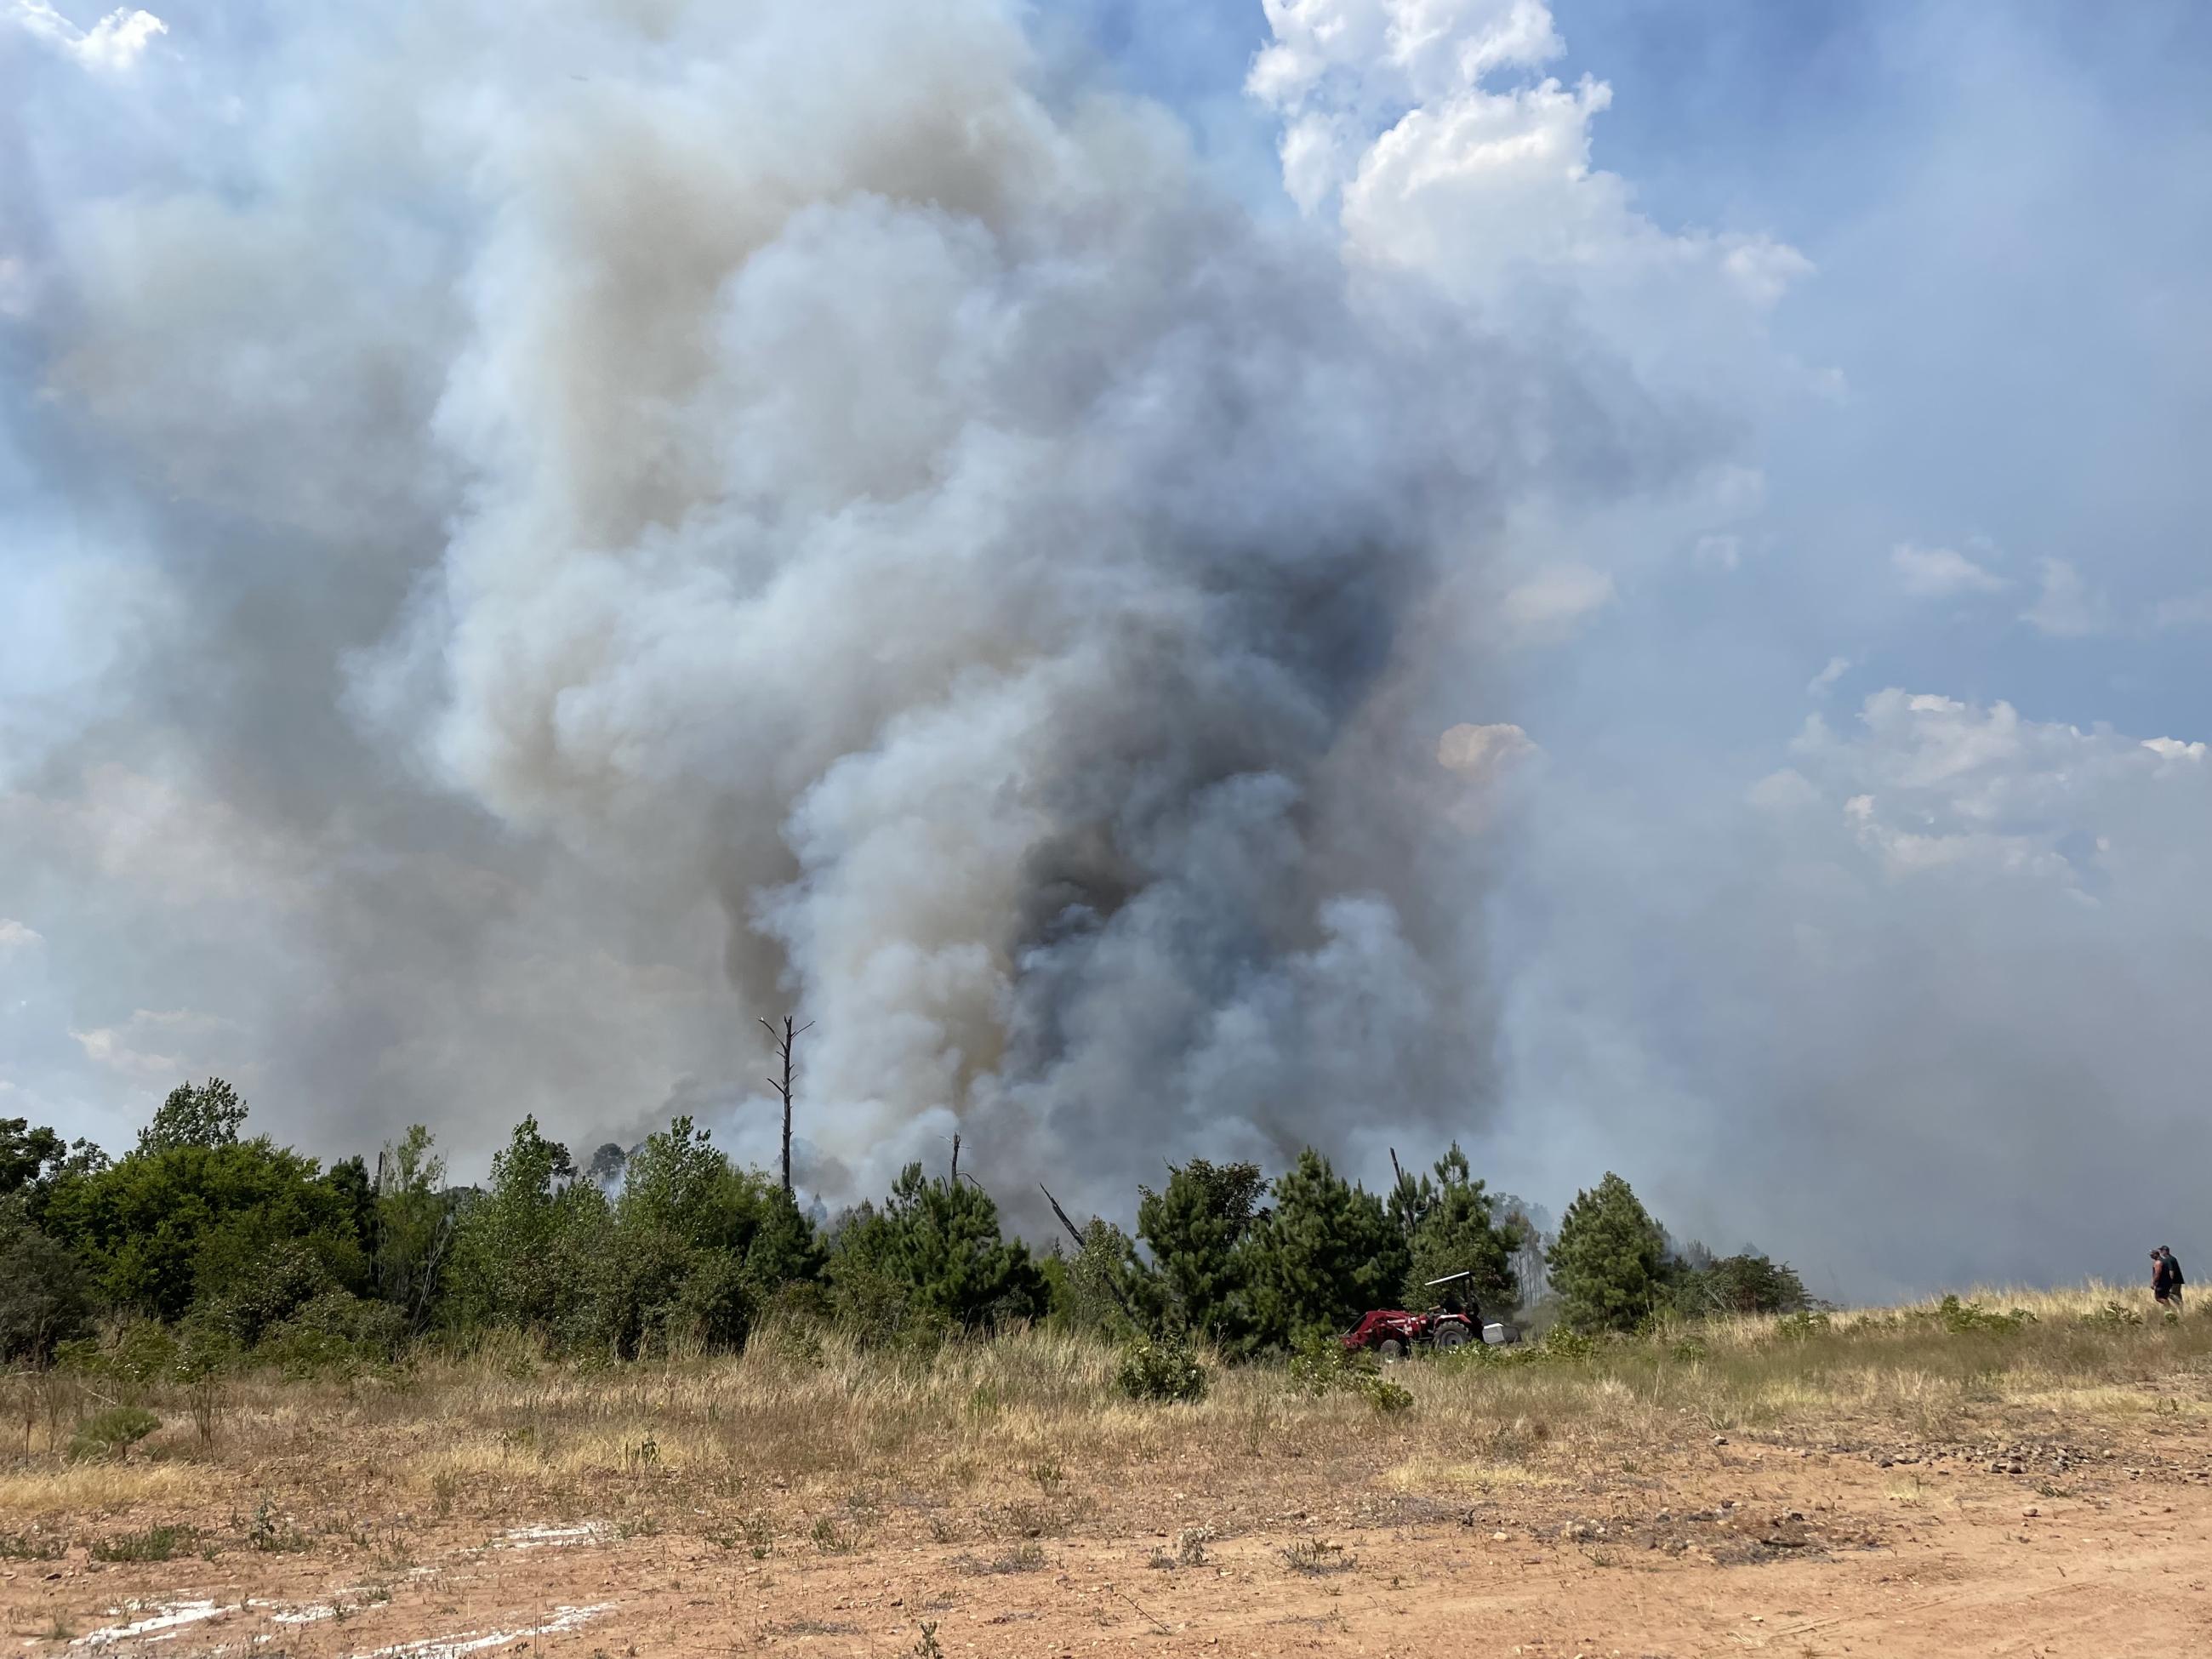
(1842, 876)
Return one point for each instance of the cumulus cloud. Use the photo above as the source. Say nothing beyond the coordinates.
(1822, 682)
(1938, 572)
(110, 46)
(1425, 129)
(14, 936)
(2066, 607)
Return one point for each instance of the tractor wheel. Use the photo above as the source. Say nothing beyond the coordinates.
(1451, 1334)
(1391, 1349)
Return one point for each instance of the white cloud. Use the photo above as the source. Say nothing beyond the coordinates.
(1785, 791)
(110, 46)
(1930, 782)
(1551, 603)
(1934, 573)
(14, 936)
(2173, 749)
(15, 287)
(2067, 608)
(1819, 685)
(2184, 611)
(153, 1044)
(1403, 116)
(1719, 552)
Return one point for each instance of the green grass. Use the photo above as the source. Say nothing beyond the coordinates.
(162, 1543)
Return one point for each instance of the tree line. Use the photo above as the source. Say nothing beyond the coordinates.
(243, 1246)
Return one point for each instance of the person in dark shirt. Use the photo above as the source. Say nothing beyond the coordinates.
(2165, 1279)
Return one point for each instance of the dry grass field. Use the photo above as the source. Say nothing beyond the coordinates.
(1893, 1484)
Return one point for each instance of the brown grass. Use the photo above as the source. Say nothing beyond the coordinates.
(805, 1436)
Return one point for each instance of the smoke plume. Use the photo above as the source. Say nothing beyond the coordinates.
(646, 516)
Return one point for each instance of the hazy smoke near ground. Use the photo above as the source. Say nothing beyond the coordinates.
(648, 515)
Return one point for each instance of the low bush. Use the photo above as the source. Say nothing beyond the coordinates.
(1321, 1365)
(111, 1433)
(1160, 1369)
(1964, 1317)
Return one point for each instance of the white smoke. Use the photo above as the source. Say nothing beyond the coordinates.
(789, 460)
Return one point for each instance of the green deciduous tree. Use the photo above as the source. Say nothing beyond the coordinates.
(1327, 1253)
(208, 1114)
(1607, 1265)
(700, 1247)
(1104, 1287)
(45, 1292)
(242, 1226)
(28, 1156)
(524, 1248)
(413, 1228)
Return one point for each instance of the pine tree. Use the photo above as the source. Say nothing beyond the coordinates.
(931, 1258)
(1326, 1253)
(1747, 1283)
(1608, 1266)
(1450, 1228)
(1193, 1226)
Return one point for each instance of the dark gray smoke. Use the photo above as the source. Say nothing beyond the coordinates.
(642, 515)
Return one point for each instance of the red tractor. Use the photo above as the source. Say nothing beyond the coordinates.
(1455, 1321)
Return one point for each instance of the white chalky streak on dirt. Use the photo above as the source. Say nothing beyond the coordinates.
(530, 1538)
(451, 1647)
(161, 1626)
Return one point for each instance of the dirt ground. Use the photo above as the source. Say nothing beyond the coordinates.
(1716, 1545)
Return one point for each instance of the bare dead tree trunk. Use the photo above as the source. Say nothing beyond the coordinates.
(1074, 1232)
(785, 1041)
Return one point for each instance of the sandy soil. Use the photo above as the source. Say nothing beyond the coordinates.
(2098, 1548)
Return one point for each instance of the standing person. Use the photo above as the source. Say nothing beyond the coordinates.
(2173, 1280)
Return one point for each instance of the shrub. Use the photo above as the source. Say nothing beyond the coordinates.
(1388, 1397)
(334, 1333)
(111, 1433)
(1964, 1317)
(1321, 1365)
(1566, 1346)
(1161, 1369)
(271, 1533)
